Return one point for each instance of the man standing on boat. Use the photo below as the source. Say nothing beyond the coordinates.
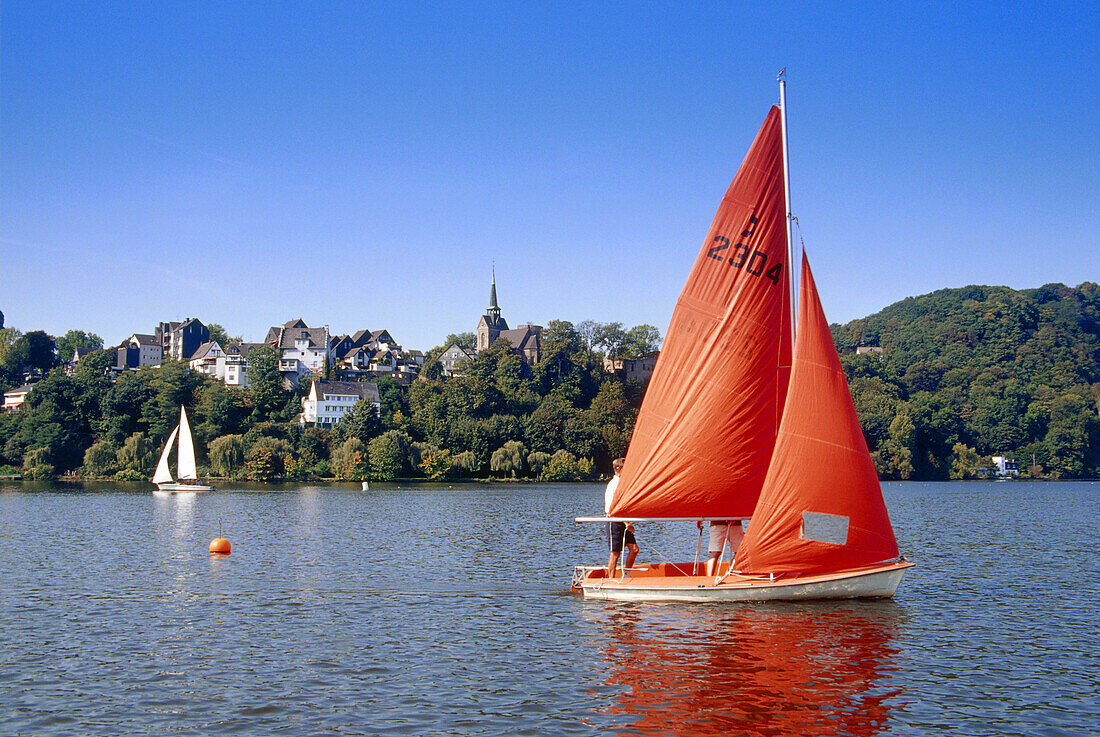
(618, 532)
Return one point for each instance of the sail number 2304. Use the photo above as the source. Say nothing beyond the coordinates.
(742, 256)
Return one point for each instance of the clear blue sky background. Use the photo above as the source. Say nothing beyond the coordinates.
(364, 165)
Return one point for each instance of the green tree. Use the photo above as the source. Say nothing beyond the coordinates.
(964, 462)
(508, 459)
(349, 460)
(219, 412)
(564, 466)
(265, 382)
(100, 459)
(545, 428)
(262, 464)
(613, 417)
(34, 352)
(465, 463)
(388, 454)
(362, 421)
(173, 385)
(641, 340)
(10, 374)
(226, 455)
(436, 464)
(52, 418)
(219, 336)
(123, 406)
(537, 462)
(137, 454)
(466, 340)
(898, 450)
(68, 344)
(37, 465)
(610, 337)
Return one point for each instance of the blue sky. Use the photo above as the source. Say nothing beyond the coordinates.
(365, 165)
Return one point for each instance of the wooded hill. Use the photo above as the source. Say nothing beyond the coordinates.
(963, 374)
(977, 371)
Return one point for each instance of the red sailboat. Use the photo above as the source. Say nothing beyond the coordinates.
(732, 428)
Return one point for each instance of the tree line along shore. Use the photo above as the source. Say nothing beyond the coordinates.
(941, 383)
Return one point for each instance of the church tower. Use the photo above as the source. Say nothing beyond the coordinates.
(491, 323)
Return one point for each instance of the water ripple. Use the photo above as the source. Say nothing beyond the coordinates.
(426, 610)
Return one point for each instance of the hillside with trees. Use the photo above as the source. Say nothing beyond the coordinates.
(963, 374)
(562, 419)
(968, 373)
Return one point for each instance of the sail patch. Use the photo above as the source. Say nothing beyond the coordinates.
(825, 528)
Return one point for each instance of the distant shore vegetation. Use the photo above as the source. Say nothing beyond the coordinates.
(562, 420)
(944, 382)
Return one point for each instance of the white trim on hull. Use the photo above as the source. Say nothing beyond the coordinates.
(875, 582)
(176, 488)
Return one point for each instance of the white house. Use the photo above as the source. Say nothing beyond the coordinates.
(209, 359)
(329, 401)
(14, 398)
(236, 364)
(1003, 467)
(302, 350)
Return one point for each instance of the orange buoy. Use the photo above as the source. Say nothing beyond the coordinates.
(220, 545)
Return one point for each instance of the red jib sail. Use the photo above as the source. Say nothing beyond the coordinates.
(821, 508)
(707, 426)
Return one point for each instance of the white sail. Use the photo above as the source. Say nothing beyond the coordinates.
(164, 475)
(186, 467)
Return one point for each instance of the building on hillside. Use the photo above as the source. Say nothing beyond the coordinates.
(639, 369)
(372, 354)
(491, 323)
(525, 340)
(70, 365)
(1003, 467)
(302, 350)
(452, 359)
(328, 401)
(236, 364)
(138, 351)
(860, 350)
(209, 359)
(14, 398)
(180, 340)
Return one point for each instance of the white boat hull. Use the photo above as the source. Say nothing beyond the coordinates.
(650, 583)
(174, 488)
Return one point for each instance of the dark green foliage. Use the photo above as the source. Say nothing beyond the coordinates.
(68, 343)
(265, 383)
(55, 417)
(964, 374)
(33, 353)
(362, 421)
(980, 371)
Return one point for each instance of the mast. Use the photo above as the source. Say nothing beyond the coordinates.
(782, 78)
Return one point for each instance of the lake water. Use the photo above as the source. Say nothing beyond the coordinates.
(445, 611)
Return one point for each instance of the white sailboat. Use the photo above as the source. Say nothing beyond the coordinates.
(748, 416)
(187, 475)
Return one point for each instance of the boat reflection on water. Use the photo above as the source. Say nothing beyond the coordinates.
(819, 669)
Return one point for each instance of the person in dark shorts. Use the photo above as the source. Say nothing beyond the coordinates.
(618, 533)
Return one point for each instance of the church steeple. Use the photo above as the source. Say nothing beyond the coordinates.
(493, 313)
(491, 323)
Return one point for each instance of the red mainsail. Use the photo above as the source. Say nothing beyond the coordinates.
(707, 426)
(821, 508)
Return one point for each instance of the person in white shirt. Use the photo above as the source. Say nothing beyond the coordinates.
(618, 533)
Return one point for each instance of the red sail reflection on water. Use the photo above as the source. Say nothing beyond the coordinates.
(752, 671)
